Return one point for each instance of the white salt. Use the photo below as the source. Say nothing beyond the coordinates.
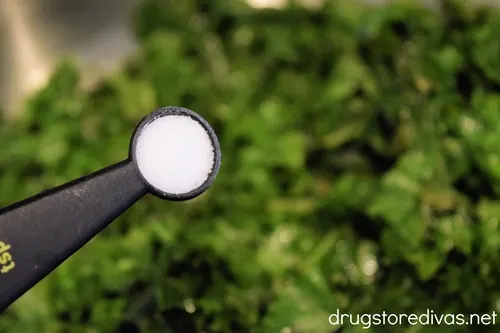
(175, 154)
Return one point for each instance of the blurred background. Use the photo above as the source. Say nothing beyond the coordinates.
(361, 166)
(35, 34)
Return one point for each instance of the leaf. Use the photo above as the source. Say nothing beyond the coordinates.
(302, 306)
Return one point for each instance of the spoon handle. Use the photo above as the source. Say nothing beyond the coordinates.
(39, 233)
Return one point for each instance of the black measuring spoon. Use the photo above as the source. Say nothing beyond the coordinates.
(39, 233)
